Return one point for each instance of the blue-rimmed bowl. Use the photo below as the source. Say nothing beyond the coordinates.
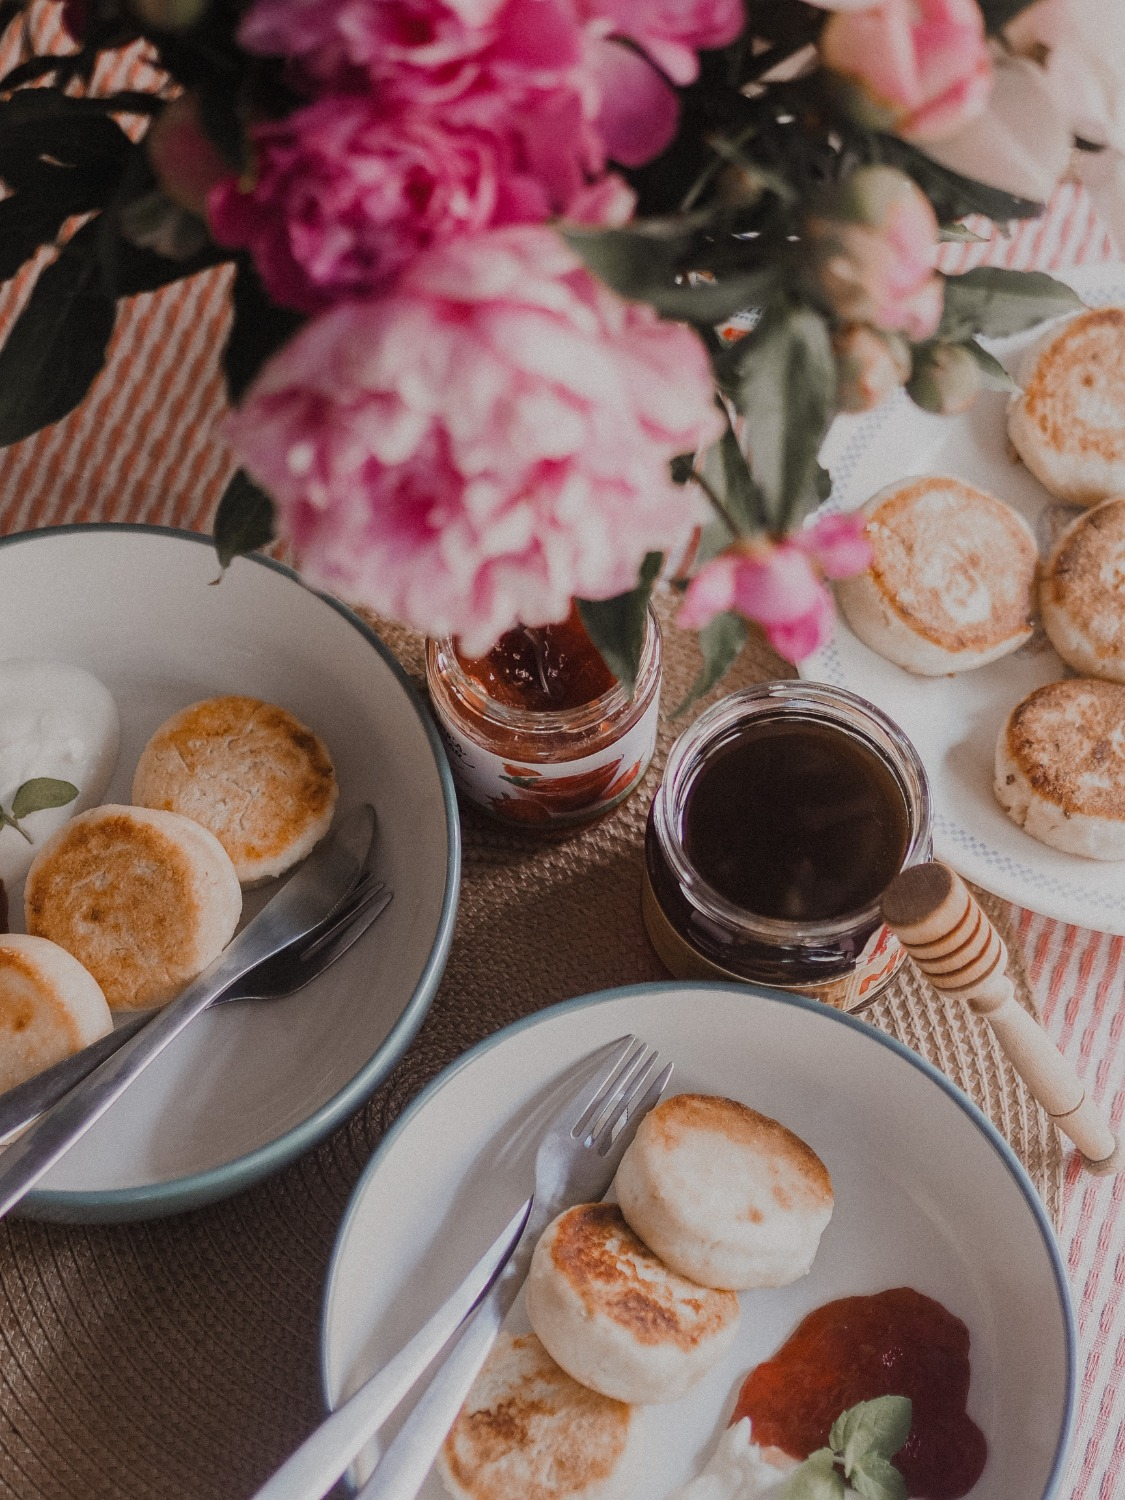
(248, 1087)
(928, 1195)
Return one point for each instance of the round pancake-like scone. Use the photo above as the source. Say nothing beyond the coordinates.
(250, 772)
(1060, 767)
(724, 1194)
(527, 1431)
(50, 1006)
(951, 582)
(1068, 422)
(617, 1318)
(144, 899)
(1082, 592)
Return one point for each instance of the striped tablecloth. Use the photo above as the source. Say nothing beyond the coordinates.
(145, 447)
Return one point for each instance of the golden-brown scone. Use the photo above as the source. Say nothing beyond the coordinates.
(951, 581)
(50, 1006)
(144, 899)
(724, 1194)
(527, 1431)
(1068, 422)
(1082, 592)
(1060, 767)
(250, 772)
(618, 1319)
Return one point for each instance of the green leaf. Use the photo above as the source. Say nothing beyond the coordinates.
(787, 392)
(720, 643)
(742, 499)
(960, 234)
(816, 1479)
(244, 520)
(637, 261)
(617, 626)
(876, 1478)
(23, 229)
(879, 1426)
(996, 302)
(57, 345)
(258, 329)
(997, 13)
(42, 792)
(952, 195)
(711, 302)
(996, 378)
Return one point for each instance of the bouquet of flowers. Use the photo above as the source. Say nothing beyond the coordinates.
(487, 254)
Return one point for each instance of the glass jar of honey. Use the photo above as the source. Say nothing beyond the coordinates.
(539, 732)
(785, 812)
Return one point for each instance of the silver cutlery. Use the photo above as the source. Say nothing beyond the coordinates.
(575, 1162)
(310, 898)
(274, 978)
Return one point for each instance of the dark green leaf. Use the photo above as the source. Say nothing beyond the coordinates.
(57, 345)
(259, 328)
(952, 195)
(997, 13)
(637, 261)
(720, 643)
(742, 499)
(22, 231)
(787, 392)
(876, 1478)
(879, 1426)
(41, 792)
(996, 378)
(995, 302)
(711, 302)
(816, 1479)
(244, 520)
(960, 234)
(617, 626)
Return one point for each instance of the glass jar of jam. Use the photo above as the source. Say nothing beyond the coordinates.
(785, 812)
(540, 732)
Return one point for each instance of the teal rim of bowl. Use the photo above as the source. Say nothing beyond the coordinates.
(781, 997)
(182, 1193)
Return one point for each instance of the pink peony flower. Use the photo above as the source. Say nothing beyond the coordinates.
(484, 442)
(918, 67)
(670, 32)
(344, 198)
(870, 366)
(779, 585)
(872, 246)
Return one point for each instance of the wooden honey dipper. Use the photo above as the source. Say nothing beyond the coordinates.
(942, 927)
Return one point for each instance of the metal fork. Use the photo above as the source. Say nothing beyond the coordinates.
(282, 975)
(575, 1162)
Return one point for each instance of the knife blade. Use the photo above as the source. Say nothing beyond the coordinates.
(305, 901)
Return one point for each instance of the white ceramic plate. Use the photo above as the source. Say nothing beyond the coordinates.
(247, 1087)
(954, 721)
(927, 1195)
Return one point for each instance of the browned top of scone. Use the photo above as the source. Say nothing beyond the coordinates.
(1075, 393)
(1085, 576)
(537, 1434)
(615, 1274)
(799, 1175)
(21, 990)
(119, 896)
(954, 562)
(1068, 739)
(249, 771)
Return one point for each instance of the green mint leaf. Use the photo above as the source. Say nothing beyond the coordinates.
(816, 1479)
(41, 792)
(617, 626)
(880, 1426)
(876, 1478)
(720, 642)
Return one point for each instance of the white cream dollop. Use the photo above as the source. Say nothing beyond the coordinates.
(55, 720)
(737, 1471)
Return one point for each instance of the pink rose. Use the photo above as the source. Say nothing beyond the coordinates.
(489, 439)
(872, 246)
(345, 198)
(779, 585)
(918, 67)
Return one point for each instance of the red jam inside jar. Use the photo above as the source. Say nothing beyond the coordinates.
(546, 669)
(895, 1343)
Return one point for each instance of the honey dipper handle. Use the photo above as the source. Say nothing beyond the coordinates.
(942, 927)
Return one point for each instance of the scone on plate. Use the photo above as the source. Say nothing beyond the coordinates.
(50, 1006)
(951, 581)
(724, 1194)
(1060, 767)
(145, 900)
(1068, 421)
(528, 1430)
(250, 772)
(1082, 592)
(615, 1317)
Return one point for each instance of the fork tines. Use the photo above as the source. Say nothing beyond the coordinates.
(614, 1101)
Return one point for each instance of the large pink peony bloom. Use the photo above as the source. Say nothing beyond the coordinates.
(345, 198)
(487, 440)
(670, 32)
(918, 67)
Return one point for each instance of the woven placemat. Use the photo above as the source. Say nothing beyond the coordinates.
(177, 1359)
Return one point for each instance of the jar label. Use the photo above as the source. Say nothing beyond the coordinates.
(552, 792)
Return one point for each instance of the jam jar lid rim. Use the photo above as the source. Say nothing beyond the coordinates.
(824, 696)
(549, 721)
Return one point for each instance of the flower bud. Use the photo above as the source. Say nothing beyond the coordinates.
(186, 163)
(870, 366)
(946, 379)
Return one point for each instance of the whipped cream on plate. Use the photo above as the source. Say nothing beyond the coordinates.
(737, 1470)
